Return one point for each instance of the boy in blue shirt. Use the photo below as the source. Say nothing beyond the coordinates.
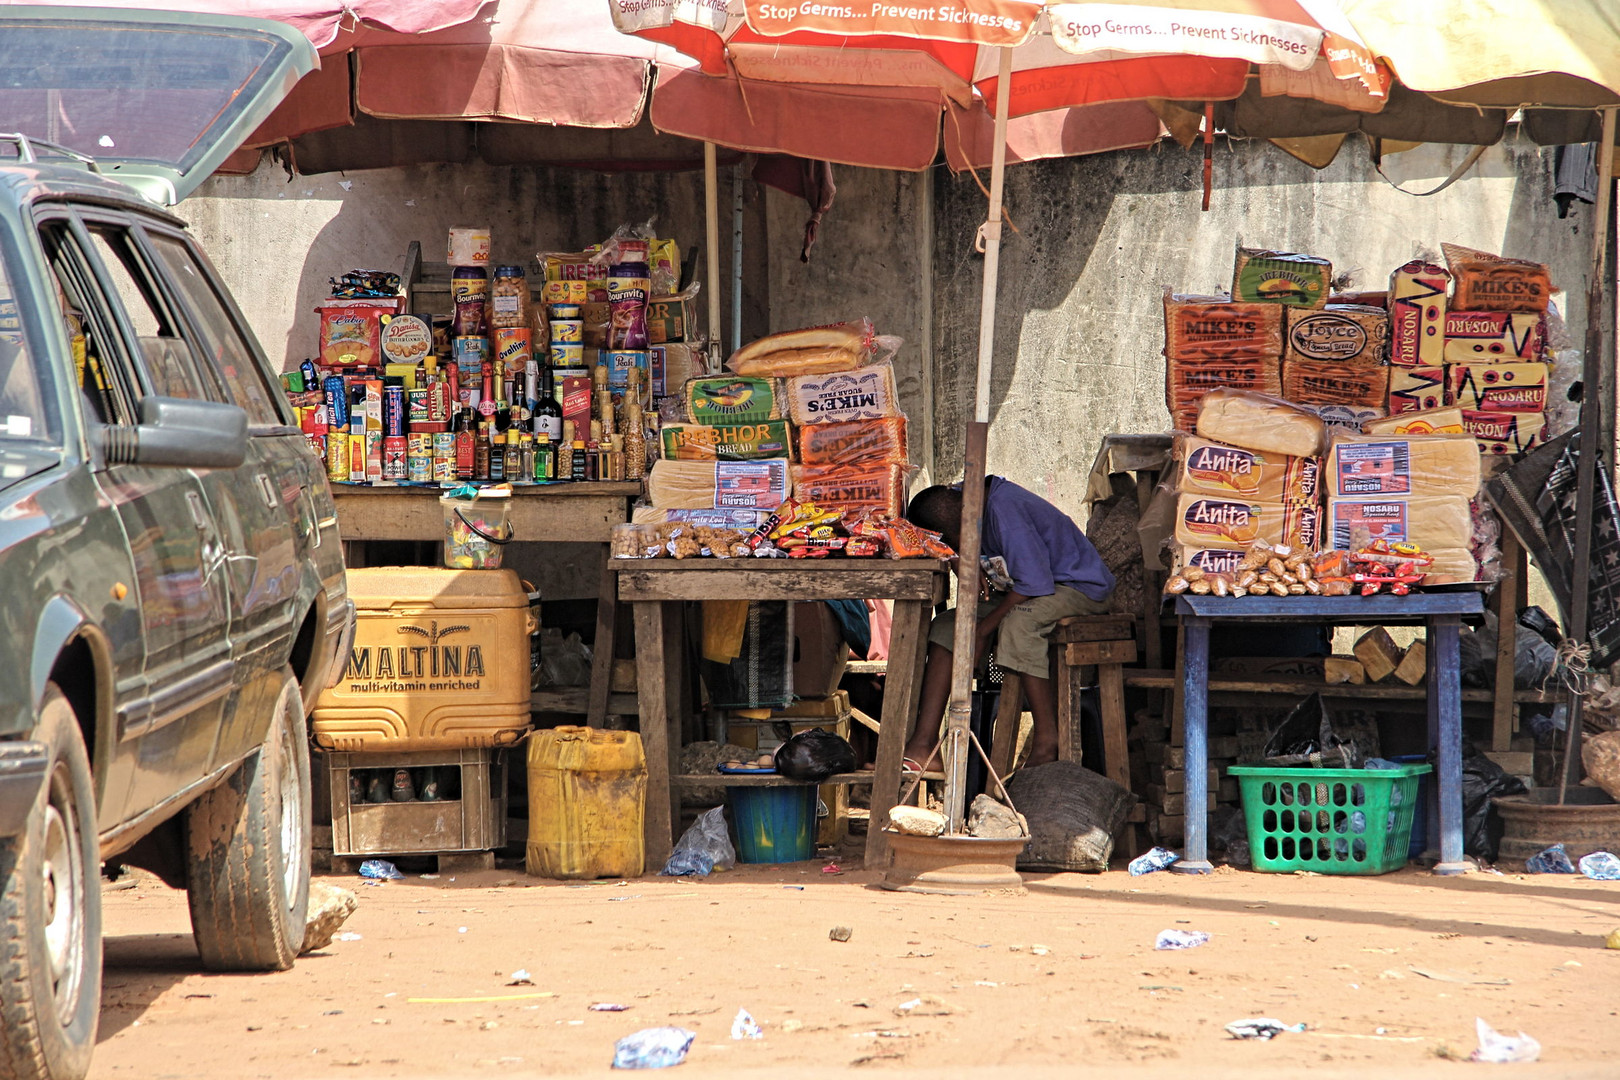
(1056, 574)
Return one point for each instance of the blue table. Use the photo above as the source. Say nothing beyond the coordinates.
(1441, 613)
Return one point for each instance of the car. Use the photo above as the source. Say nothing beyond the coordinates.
(172, 595)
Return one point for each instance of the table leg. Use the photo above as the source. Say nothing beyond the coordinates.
(607, 617)
(653, 699)
(908, 651)
(1431, 838)
(1195, 721)
(1445, 690)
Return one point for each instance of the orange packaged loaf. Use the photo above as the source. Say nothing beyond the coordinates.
(1327, 382)
(1204, 520)
(1215, 326)
(1217, 469)
(1188, 378)
(854, 442)
(852, 488)
(1486, 282)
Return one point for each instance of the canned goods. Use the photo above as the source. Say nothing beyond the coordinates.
(417, 410)
(514, 348)
(393, 416)
(470, 349)
(395, 451)
(568, 354)
(419, 457)
(337, 455)
(444, 456)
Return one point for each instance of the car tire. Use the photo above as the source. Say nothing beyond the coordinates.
(50, 916)
(248, 851)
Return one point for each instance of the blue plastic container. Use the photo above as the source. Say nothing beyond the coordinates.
(774, 824)
(1420, 815)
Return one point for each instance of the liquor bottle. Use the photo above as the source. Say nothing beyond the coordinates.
(548, 419)
(525, 456)
(513, 452)
(481, 451)
(545, 458)
(578, 456)
(466, 453)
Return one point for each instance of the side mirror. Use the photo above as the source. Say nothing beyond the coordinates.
(181, 432)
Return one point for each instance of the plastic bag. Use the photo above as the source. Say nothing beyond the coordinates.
(1550, 860)
(1600, 866)
(563, 661)
(1307, 737)
(1499, 1049)
(705, 847)
(815, 755)
(816, 350)
(1482, 781)
(653, 1048)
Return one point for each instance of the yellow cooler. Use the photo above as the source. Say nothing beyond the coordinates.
(587, 801)
(440, 662)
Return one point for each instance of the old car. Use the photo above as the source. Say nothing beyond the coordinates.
(172, 595)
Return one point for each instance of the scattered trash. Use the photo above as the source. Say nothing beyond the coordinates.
(703, 848)
(653, 1048)
(380, 870)
(521, 977)
(924, 1005)
(1461, 978)
(832, 868)
(608, 1006)
(1039, 950)
(790, 1026)
(1260, 1027)
(1553, 860)
(743, 1026)
(1157, 859)
(839, 933)
(800, 888)
(880, 1035)
(1500, 1049)
(348, 935)
(1600, 866)
(1613, 940)
(1180, 939)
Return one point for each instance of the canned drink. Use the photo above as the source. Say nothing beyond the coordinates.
(337, 455)
(564, 331)
(419, 457)
(444, 456)
(395, 452)
(393, 412)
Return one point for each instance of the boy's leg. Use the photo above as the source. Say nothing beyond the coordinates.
(936, 686)
(1022, 646)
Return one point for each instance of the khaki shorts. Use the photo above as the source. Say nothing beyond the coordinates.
(1021, 639)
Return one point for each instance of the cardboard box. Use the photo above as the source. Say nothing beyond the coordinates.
(820, 655)
(1494, 337)
(669, 318)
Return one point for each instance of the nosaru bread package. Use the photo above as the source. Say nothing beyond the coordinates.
(1494, 337)
(1210, 326)
(1506, 432)
(1417, 314)
(1338, 333)
(1259, 422)
(702, 485)
(1280, 277)
(1497, 387)
(1416, 389)
(1429, 521)
(1217, 469)
(1446, 421)
(1364, 466)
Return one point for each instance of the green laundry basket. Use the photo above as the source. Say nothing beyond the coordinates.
(1330, 821)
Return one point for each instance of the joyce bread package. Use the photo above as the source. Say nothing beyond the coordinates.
(1342, 333)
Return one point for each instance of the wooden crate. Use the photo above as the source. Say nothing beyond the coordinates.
(474, 822)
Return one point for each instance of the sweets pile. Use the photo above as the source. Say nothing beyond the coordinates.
(1279, 570)
(810, 414)
(794, 531)
(1473, 338)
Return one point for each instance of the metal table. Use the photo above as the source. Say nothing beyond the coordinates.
(1441, 613)
(656, 588)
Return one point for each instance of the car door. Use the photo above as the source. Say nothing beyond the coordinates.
(166, 714)
(262, 505)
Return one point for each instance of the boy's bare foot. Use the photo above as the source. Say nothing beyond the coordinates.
(1040, 755)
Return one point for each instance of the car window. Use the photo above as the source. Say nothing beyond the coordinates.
(165, 358)
(107, 385)
(226, 351)
(27, 408)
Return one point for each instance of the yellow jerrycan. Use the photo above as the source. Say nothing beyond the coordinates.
(587, 801)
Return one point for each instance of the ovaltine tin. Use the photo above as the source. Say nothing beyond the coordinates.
(393, 412)
(395, 452)
(567, 354)
(337, 455)
(419, 457)
(565, 292)
(567, 330)
(513, 349)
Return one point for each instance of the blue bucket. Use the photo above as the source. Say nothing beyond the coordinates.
(1420, 816)
(774, 824)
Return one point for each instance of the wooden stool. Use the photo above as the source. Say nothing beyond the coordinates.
(1106, 641)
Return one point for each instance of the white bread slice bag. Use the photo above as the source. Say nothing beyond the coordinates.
(1260, 422)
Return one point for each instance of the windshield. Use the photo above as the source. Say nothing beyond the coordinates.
(27, 408)
(131, 92)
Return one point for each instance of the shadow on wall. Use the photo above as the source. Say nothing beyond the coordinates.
(1078, 324)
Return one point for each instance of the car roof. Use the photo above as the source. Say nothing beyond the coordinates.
(23, 184)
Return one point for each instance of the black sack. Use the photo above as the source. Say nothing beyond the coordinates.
(1482, 781)
(815, 755)
(1307, 737)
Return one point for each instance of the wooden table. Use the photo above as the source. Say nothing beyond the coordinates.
(1441, 613)
(554, 513)
(656, 589)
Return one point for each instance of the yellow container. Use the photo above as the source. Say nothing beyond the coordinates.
(440, 662)
(587, 800)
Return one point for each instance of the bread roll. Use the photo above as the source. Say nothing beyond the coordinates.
(781, 363)
(845, 336)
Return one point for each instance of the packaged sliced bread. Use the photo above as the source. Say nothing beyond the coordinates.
(1342, 333)
(852, 487)
(1207, 326)
(732, 399)
(1430, 521)
(1416, 389)
(1217, 469)
(854, 442)
(1318, 382)
(1497, 387)
(1446, 421)
(1451, 566)
(702, 485)
(1204, 521)
(1365, 466)
(1486, 282)
(1188, 377)
(1259, 422)
(867, 393)
(1281, 277)
(726, 442)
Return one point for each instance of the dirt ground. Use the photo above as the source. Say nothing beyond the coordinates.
(1387, 973)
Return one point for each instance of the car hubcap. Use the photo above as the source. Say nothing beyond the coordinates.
(290, 797)
(63, 898)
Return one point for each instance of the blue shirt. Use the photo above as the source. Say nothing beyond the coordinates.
(1042, 545)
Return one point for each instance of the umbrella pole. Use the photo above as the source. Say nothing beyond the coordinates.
(959, 714)
(711, 223)
(1589, 441)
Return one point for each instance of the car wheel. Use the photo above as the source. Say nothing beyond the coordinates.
(50, 916)
(248, 851)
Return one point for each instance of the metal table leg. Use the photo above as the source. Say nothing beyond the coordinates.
(1431, 838)
(1195, 722)
(1445, 695)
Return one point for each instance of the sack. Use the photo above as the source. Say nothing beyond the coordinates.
(1073, 814)
(815, 755)
(704, 847)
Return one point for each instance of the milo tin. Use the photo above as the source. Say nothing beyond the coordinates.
(419, 457)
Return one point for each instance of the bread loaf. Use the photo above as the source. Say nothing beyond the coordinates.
(803, 352)
(854, 442)
(1338, 333)
(1494, 337)
(1417, 314)
(1497, 387)
(1416, 389)
(1189, 377)
(1211, 559)
(1446, 421)
(1367, 466)
(1486, 282)
(1208, 326)
(1430, 521)
(1257, 422)
(1315, 382)
(745, 520)
(1506, 432)
(1217, 469)
(1204, 521)
(732, 399)
(866, 393)
(852, 488)
(702, 485)
(1280, 277)
(727, 442)
(1451, 566)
